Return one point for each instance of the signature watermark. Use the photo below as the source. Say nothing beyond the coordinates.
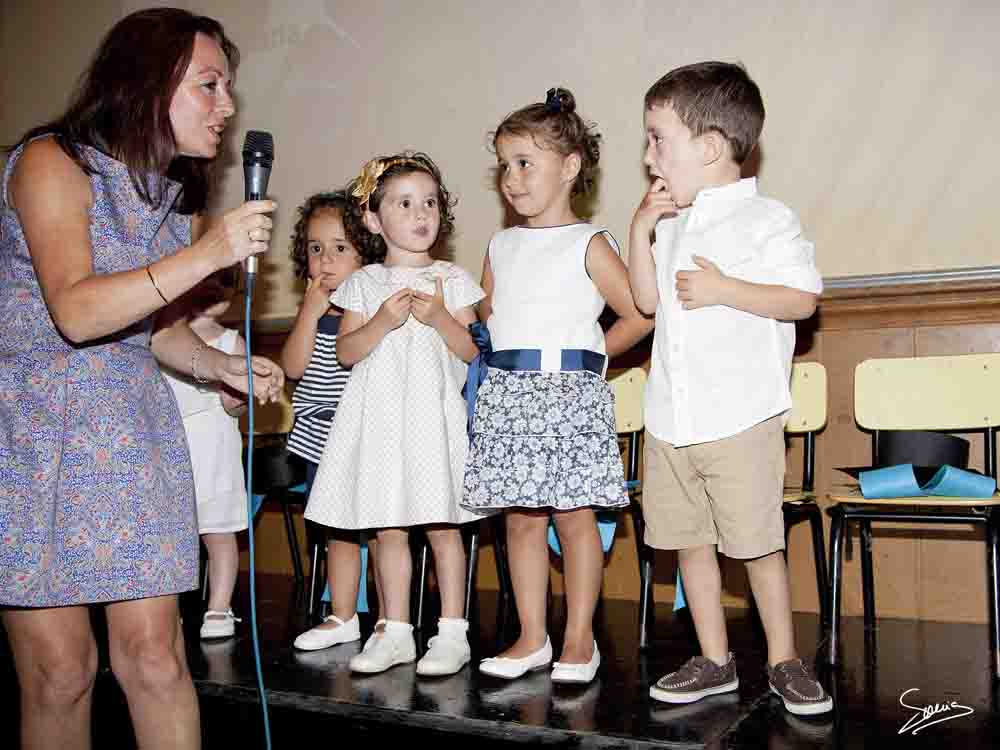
(935, 713)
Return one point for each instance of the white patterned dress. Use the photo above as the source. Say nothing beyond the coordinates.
(395, 456)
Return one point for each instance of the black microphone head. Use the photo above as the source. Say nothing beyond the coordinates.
(258, 147)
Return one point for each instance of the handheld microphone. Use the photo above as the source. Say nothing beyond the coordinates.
(258, 155)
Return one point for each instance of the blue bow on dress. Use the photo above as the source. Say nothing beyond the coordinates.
(477, 368)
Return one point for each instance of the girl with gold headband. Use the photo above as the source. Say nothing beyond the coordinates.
(396, 451)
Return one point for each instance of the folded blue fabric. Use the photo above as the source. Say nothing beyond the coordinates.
(679, 601)
(901, 481)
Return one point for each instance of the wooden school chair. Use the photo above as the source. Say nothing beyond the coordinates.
(277, 475)
(629, 388)
(805, 419)
(958, 393)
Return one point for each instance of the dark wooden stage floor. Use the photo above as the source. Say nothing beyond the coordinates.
(315, 701)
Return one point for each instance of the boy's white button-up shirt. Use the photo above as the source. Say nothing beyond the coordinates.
(717, 371)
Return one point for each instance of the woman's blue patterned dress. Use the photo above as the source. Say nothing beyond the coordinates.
(96, 492)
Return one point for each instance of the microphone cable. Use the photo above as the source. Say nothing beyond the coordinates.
(251, 278)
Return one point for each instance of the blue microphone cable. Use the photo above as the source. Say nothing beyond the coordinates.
(250, 279)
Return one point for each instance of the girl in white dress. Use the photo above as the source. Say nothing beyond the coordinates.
(543, 441)
(210, 414)
(396, 451)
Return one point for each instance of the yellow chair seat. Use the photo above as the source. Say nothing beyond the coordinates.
(793, 495)
(853, 496)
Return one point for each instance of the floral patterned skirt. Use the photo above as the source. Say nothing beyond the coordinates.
(544, 440)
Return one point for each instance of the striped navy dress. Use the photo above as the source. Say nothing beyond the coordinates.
(318, 393)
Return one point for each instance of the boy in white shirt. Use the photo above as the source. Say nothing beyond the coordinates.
(727, 274)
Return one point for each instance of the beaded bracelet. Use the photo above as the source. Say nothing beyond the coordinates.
(195, 355)
(156, 286)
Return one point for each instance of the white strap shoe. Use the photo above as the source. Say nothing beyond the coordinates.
(320, 637)
(222, 624)
(578, 673)
(509, 669)
(448, 651)
(394, 645)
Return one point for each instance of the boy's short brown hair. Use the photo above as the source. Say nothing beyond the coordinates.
(715, 96)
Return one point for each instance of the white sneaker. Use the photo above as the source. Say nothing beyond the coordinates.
(394, 645)
(320, 637)
(222, 624)
(448, 651)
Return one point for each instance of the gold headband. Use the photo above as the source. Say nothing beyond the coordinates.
(367, 181)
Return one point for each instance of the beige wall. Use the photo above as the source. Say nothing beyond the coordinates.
(881, 124)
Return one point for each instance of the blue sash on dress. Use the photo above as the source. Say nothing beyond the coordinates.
(572, 360)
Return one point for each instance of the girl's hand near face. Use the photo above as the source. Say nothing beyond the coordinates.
(316, 301)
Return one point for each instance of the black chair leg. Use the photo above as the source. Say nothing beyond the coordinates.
(203, 555)
(645, 599)
(314, 590)
(293, 542)
(639, 527)
(418, 619)
(645, 559)
(867, 574)
(993, 581)
(503, 566)
(819, 559)
(837, 529)
(470, 574)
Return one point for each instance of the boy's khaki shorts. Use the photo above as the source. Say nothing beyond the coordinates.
(726, 492)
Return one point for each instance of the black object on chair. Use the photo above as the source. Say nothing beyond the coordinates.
(277, 474)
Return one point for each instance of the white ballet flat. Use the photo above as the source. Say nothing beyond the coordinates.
(509, 669)
(578, 673)
(318, 638)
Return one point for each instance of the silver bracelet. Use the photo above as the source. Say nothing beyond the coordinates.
(195, 356)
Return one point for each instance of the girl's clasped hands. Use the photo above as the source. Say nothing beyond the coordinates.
(426, 308)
